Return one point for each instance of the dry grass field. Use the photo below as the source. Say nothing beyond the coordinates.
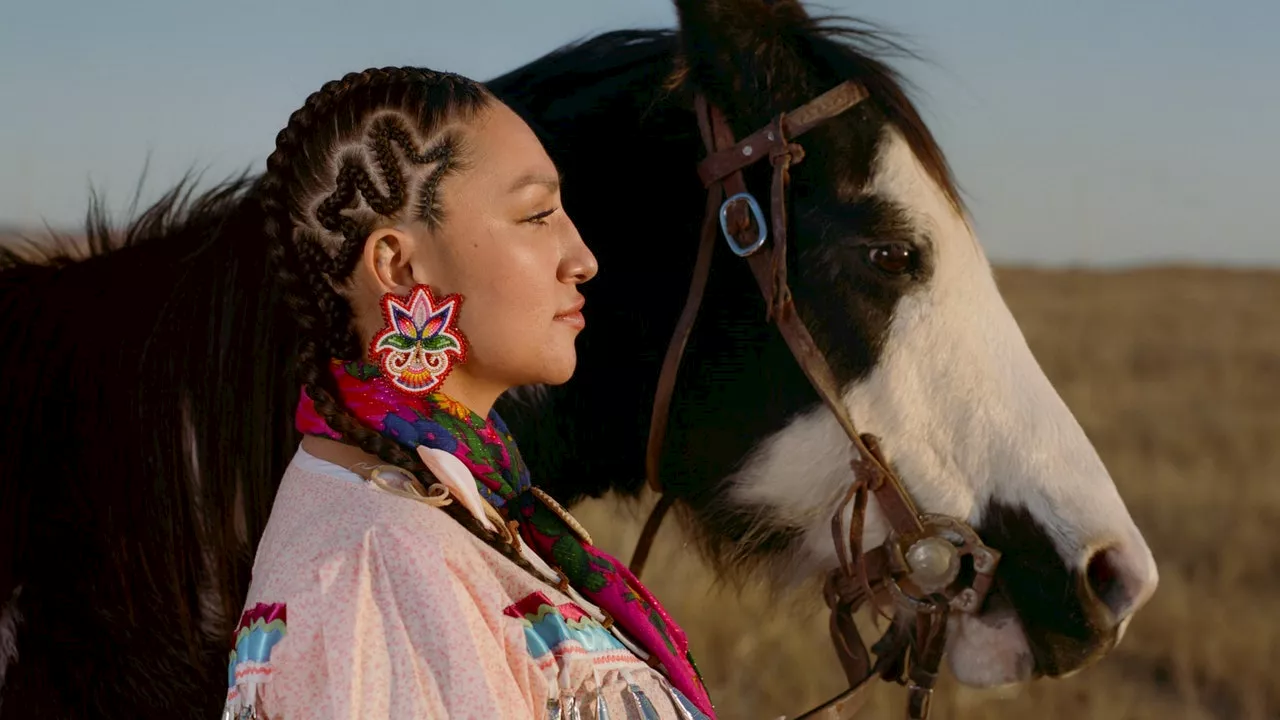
(1175, 375)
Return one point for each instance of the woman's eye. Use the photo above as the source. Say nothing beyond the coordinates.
(894, 258)
(540, 218)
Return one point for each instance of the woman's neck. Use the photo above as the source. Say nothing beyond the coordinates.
(476, 395)
(339, 453)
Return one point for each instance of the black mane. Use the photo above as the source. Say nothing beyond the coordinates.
(159, 353)
(584, 74)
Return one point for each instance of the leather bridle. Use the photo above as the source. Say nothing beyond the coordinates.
(930, 565)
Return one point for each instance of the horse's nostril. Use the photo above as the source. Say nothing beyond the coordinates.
(1107, 583)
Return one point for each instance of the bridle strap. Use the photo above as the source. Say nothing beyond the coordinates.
(650, 530)
(722, 168)
(861, 576)
(667, 382)
(769, 267)
(675, 350)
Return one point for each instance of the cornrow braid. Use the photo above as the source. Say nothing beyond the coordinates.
(317, 231)
(388, 132)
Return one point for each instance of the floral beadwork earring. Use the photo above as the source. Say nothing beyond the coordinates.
(421, 343)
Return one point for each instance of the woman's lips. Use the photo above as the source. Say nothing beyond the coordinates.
(573, 315)
(574, 318)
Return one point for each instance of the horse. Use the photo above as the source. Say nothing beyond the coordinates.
(148, 379)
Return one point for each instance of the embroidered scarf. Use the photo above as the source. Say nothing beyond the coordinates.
(486, 447)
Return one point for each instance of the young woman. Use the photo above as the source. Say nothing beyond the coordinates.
(409, 568)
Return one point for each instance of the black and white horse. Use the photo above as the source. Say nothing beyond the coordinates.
(149, 423)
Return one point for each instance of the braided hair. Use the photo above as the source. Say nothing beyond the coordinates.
(369, 149)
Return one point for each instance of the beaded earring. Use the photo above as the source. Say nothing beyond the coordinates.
(421, 344)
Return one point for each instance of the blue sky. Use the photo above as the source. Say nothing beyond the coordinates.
(1083, 133)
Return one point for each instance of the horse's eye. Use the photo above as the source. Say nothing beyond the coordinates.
(895, 258)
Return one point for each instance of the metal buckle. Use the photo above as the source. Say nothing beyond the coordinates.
(759, 216)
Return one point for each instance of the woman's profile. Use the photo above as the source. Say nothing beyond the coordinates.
(410, 568)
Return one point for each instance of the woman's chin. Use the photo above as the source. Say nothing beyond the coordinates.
(990, 650)
(560, 369)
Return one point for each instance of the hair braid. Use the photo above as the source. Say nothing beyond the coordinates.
(308, 271)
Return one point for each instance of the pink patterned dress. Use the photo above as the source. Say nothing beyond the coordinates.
(368, 605)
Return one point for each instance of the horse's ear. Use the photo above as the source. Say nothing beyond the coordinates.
(731, 48)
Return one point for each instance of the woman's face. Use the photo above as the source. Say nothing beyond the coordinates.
(508, 248)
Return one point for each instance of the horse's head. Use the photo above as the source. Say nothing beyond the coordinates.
(891, 281)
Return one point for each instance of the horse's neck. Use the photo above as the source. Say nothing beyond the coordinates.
(633, 194)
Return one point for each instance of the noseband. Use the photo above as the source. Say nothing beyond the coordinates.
(930, 565)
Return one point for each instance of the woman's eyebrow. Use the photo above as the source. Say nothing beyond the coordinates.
(550, 182)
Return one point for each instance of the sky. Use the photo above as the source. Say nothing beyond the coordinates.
(1083, 133)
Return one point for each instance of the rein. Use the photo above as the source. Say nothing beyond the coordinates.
(930, 565)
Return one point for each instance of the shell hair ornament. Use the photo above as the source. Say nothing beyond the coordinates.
(398, 481)
(421, 343)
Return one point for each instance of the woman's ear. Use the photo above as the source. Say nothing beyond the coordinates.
(387, 256)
